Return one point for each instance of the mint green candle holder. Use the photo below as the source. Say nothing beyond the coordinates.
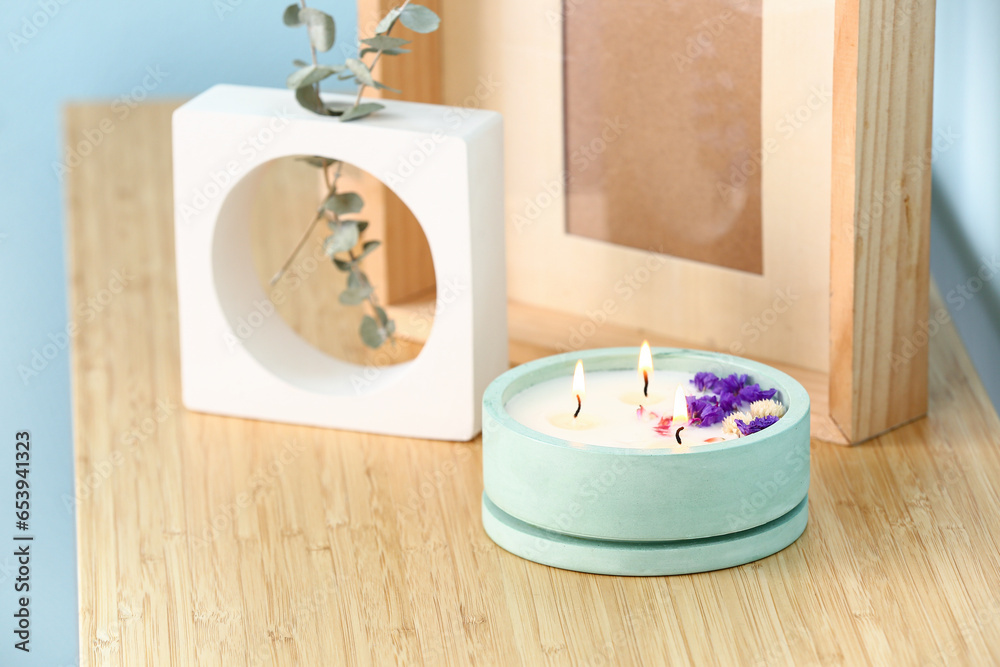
(644, 512)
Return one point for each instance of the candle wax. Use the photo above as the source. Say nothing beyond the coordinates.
(609, 414)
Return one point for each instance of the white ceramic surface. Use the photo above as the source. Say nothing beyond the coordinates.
(447, 167)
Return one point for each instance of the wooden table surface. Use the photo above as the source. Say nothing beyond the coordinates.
(207, 540)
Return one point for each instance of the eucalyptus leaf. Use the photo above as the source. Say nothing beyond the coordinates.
(311, 74)
(300, 63)
(342, 264)
(382, 86)
(342, 204)
(343, 239)
(334, 109)
(367, 249)
(291, 16)
(385, 52)
(383, 319)
(372, 335)
(361, 224)
(322, 30)
(419, 19)
(390, 327)
(315, 161)
(360, 71)
(385, 25)
(361, 110)
(309, 98)
(354, 296)
(385, 42)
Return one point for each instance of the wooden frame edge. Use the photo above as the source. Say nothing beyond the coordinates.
(880, 214)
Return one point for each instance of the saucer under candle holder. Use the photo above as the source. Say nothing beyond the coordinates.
(643, 511)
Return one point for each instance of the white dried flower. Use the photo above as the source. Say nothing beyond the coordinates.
(729, 423)
(766, 408)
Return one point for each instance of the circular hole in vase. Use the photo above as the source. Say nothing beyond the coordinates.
(310, 294)
(299, 327)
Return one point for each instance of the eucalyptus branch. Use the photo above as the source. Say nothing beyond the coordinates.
(345, 238)
(315, 62)
(378, 54)
(377, 310)
(312, 47)
(331, 189)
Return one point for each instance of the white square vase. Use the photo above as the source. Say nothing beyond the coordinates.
(444, 163)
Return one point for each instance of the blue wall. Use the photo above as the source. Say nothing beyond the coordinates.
(965, 239)
(51, 52)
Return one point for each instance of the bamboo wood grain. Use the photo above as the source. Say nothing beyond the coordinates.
(218, 541)
(881, 208)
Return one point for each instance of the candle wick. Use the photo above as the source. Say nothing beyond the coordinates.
(645, 387)
(677, 436)
(579, 404)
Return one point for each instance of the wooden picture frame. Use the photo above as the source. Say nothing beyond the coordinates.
(845, 200)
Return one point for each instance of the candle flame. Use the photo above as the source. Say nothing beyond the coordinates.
(578, 384)
(680, 407)
(645, 359)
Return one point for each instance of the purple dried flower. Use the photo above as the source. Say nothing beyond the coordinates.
(756, 424)
(729, 402)
(704, 381)
(712, 414)
(697, 403)
(754, 393)
(732, 384)
(732, 391)
(704, 410)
